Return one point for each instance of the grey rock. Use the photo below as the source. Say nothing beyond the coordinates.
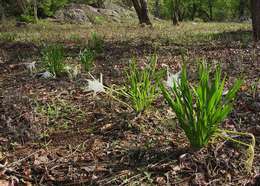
(85, 14)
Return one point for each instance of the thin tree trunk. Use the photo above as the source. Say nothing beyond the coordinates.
(175, 20)
(210, 3)
(175, 12)
(194, 10)
(255, 8)
(242, 5)
(142, 11)
(21, 4)
(157, 8)
(2, 13)
(35, 10)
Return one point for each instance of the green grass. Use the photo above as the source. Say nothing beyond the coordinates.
(142, 84)
(53, 59)
(96, 42)
(87, 57)
(75, 37)
(60, 112)
(186, 33)
(8, 36)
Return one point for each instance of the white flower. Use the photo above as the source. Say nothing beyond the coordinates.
(46, 75)
(225, 92)
(31, 66)
(96, 85)
(172, 78)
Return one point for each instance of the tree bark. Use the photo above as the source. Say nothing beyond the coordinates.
(175, 18)
(35, 10)
(255, 8)
(194, 10)
(142, 11)
(2, 13)
(210, 3)
(21, 5)
(241, 11)
(157, 8)
(175, 12)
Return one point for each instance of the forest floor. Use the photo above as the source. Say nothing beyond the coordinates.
(53, 132)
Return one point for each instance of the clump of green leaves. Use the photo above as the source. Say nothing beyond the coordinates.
(201, 109)
(53, 58)
(142, 84)
(96, 43)
(86, 59)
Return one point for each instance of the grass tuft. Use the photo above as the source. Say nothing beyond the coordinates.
(53, 58)
(142, 84)
(96, 42)
(87, 59)
(201, 109)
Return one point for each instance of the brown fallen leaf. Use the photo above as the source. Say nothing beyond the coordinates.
(5, 183)
(255, 130)
(106, 127)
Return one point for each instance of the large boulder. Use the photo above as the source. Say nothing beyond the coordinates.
(110, 15)
(85, 14)
(74, 16)
(77, 14)
(123, 11)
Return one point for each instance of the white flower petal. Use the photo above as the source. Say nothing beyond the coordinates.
(96, 85)
(31, 66)
(46, 75)
(171, 78)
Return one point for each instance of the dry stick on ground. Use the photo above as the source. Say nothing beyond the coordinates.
(13, 164)
(23, 159)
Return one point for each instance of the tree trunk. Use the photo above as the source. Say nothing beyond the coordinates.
(2, 13)
(175, 12)
(175, 19)
(241, 11)
(35, 10)
(157, 8)
(210, 3)
(21, 5)
(255, 8)
(142, 11)
(194, 10)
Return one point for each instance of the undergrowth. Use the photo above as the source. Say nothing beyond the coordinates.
(87, 59)
(53, 59)
(201, 109)
(142, 84)
(96, 42)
